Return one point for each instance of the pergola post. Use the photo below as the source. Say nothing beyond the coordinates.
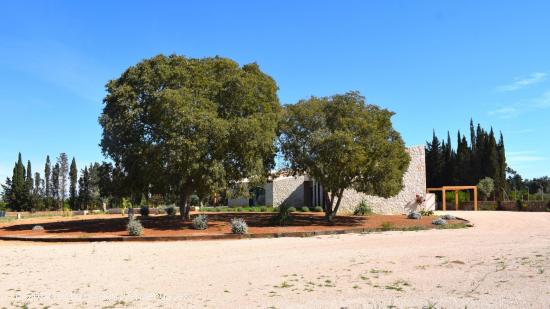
(444, 200)
(475, 198)
(456, 189)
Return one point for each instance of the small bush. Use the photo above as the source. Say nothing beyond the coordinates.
(238, 226)
(144, 211)
(263, 209)
(426, 213)
(520, 205)
(318, 209)
(439, 221)
(448, 217)
(284, 216)
(134, 228)
(363, 209)
(386, 226)
(414, 215)
(170, 210)
(239, 209)
(200, 222)
(291, 209)
(304, 209)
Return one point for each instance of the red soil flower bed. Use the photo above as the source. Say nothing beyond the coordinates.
(97, 226)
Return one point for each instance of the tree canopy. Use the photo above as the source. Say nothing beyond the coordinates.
(190, 125)
(342, 143)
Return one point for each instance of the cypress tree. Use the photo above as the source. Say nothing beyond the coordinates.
(434, 162)
(55, 186)
(500, 180)
(484, 157)
(84, 189)
(18, 196)
(29, 185)
(73, 177)
(47, 180)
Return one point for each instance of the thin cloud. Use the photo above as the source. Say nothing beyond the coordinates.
(543, 101)
(524, 156)
(524, 106)
(504, 112)
(520, 83)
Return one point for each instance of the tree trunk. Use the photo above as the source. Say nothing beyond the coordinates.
(183, 202)
(339, 195)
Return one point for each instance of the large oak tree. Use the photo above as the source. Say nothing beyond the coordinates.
(344, 143)
(190, 126)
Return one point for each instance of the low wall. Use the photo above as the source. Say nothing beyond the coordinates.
(505, 205)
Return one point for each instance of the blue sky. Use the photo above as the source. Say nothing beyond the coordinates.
(435, 63)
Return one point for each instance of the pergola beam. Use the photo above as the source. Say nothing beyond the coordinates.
(444, 189)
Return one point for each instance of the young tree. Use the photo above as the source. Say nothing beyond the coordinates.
(63, 162)
(486, 187)
(344, 143)
(73, 178)
(190, 126)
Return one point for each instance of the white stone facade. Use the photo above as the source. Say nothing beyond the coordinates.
(414, 183)
(290, 189)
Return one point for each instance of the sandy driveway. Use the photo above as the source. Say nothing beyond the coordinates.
(503, 262)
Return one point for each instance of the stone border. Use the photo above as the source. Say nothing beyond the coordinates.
(354, 230)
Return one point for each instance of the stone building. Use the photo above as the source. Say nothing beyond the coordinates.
(302, 190)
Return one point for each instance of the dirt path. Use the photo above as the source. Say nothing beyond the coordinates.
(503, 262)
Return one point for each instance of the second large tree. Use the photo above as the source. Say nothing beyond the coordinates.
(190, 125)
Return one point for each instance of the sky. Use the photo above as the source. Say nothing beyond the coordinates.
(436, 64)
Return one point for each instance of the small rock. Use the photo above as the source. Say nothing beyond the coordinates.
(448, 217)
(439, 221)
(38, 228)
(414, 215)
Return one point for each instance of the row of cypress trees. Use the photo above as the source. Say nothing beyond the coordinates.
(468, 163)
(26, 191)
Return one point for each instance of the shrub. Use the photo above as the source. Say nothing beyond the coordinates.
(448, 217)
(291, 209)
(414, 215)
(363, 209)
(263, 209)
(439, 221)
(238, 226)
(134, 228)
(200, 222)
(426, 213)
(520, 205)
(239, 209)
(284, 216)
(170, 210)
(144, 211)
(318, 209)
(304, 209)
(386, 226)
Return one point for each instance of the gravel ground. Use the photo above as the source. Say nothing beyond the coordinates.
(503, 262)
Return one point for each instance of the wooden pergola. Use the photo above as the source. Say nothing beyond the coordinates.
(455, 189)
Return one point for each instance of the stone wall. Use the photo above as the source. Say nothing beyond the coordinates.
(290, 190)
(414, 182)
